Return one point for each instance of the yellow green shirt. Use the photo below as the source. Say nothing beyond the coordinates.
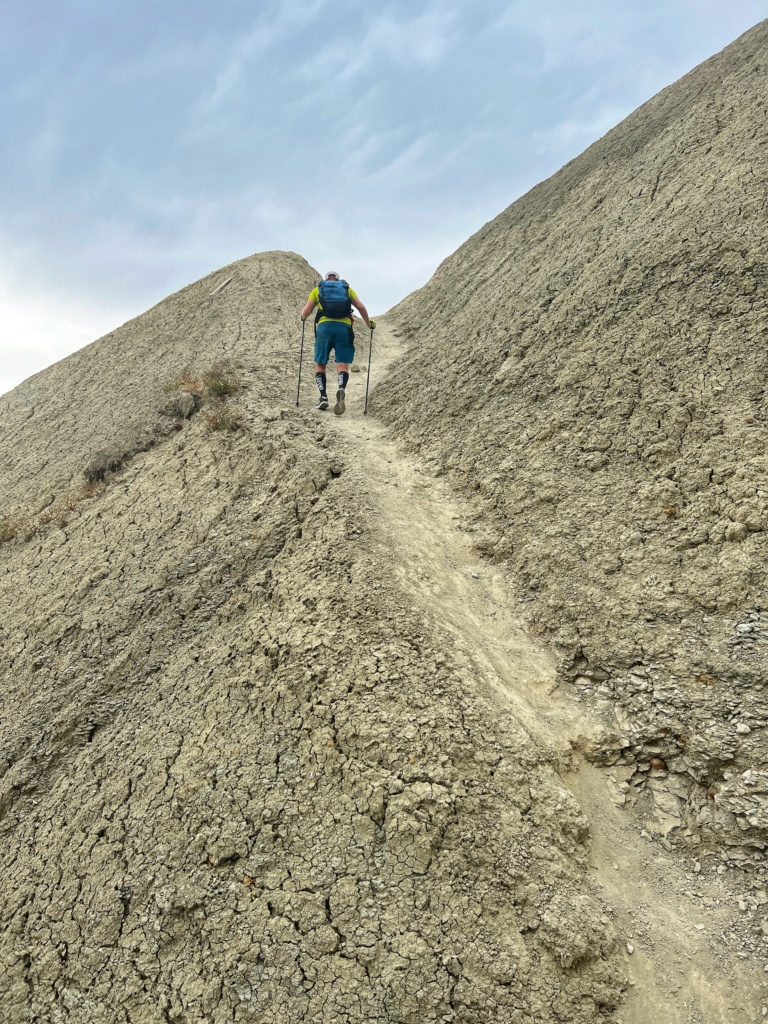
(314, 296)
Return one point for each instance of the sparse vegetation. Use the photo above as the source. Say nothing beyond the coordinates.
(186, 381)
(212, 386)
(26, 525)
(219, 381)
(10, 528)
(220, 417)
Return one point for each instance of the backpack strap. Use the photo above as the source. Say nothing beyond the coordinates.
(319, 310)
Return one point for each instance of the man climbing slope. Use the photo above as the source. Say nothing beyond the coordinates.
(333, 330)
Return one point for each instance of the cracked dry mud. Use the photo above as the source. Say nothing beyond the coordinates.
(450, 713)
(251, 775)
(249, 771)
(602, 410)
(284, 775)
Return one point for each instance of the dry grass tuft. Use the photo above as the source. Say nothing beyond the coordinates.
(187, 381)
(26, 525)
(219, 381)
(10, 528)
(211, 387)
(220, 417)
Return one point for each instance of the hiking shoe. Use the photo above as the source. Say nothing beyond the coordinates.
(340, 397)
(322, 402)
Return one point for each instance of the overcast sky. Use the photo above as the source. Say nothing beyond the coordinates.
(145, 143)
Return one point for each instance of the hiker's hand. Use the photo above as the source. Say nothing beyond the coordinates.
(372, 323)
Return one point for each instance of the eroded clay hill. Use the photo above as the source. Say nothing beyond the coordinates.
(91, 412)
(244, 774)
(273, 748)
(590, 371)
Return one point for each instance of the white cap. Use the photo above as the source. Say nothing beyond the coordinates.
(333, 273)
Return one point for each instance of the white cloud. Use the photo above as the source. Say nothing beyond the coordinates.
(571, 135)
(285, 19)
(143, 153)
(38, 327)
(423, 37)
(404, 38)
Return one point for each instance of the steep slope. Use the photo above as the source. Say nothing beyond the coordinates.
(589, 370)
(106, 402)
(246, 773)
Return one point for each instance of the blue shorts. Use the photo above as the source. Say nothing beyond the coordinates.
(337, 336)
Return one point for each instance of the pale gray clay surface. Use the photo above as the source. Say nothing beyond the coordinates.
(600, 403)
(451, 713)
(243, 776)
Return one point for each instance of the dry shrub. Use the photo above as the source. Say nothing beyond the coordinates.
(10, 528)
(186, 381)
(220, 417)
(219, 381)
(27, 525)
(212, 386)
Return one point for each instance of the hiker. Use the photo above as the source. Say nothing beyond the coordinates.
(333, 330)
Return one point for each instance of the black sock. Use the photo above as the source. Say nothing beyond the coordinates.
(321, 383)
(343, 378)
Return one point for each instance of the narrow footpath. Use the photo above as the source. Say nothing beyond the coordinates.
(670, 919)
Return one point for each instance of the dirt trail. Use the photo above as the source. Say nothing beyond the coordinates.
(676, 920)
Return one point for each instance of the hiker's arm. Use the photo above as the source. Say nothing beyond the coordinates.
(362, 311)
(308, 309)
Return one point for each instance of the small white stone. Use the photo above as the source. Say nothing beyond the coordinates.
(743, 729)
(631, 950)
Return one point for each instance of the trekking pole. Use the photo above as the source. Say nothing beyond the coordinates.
(368, 378)
(301, 360)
